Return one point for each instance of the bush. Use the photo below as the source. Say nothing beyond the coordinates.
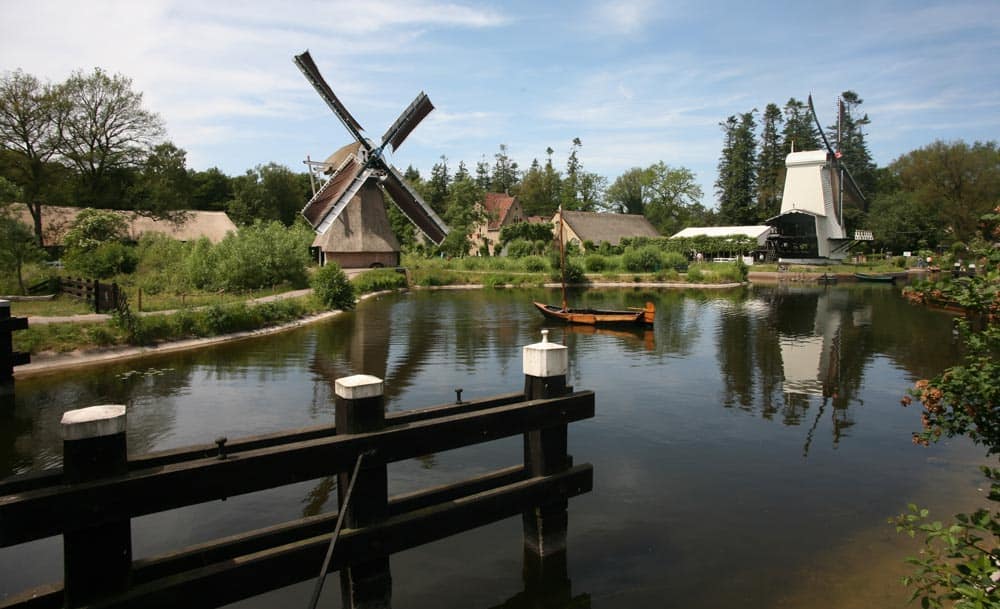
(262, 255)
(106, 260)
(574, 273)
(519, 248)
(694, 275)
(534, 264)
(595, 263)
(642, 260)
(675, 261)
(331, 286)
(376, 281)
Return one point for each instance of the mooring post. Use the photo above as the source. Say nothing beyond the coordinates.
(360, 406)
(97, 561)
(545, 452)
(8, 357)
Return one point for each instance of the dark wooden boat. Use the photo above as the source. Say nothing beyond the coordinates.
(877, 278)
(592, 317)
(599, 317)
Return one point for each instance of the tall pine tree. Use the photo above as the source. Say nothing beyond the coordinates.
(854, 150)
(770, 165)
(800, 130)
(737, 181)
(505, 174)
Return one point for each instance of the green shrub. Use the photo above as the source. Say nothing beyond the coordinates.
(595, 263)
(518, 248)
(675, 260)
(668, 275)
(106, 260)
(694, 274)
(574, 273)
(331, 286)
(378, 280)
(497, 280)
(534, 264)
(642, 259)
(262, 255)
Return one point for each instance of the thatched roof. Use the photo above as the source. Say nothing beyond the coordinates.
(56, 220)
(596, 228)
(349, 234)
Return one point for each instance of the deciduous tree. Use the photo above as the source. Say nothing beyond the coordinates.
(106, 129)
(31, 118)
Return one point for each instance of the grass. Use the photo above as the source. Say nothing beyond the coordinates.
(213, 320)
(49, 308)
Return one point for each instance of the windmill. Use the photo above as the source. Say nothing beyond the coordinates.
(347, 212)
(810, 227)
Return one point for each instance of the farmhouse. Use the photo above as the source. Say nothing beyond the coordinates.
(583, 226)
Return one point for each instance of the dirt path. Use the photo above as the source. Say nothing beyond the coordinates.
(91, 318)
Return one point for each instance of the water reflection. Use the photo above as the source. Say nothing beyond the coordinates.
(697, 443)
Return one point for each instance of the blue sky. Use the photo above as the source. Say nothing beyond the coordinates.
(637, 81)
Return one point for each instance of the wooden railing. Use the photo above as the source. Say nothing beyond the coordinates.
(91, 500)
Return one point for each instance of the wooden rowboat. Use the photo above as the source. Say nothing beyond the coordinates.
(599, 317)
(874, 277)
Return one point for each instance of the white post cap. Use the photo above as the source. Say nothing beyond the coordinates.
(359, 386)
(93, 422)
(546, 359)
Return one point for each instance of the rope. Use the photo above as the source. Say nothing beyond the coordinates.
(336, 534)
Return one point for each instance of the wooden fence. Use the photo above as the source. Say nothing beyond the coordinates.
(103, 296)
(8, 357)
(91, 500)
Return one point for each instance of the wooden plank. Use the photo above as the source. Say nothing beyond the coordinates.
(229, 548)
(52, 477)
(44, 512)
(249, 575)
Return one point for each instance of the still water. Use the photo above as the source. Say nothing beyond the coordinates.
(747, 451)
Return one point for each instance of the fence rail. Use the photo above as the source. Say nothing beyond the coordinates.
(92, 499)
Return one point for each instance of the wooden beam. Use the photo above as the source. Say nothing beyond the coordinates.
(52, 477)
(162, 582)
(49, 511)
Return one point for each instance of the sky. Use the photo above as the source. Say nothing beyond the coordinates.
(637, 81)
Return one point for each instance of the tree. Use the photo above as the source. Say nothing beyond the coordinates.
(268, 192)
(17, 247)
(674, 194)
(106, 130)
(899, 223)
(31, 117)
(799, 131)
(955, 183)
(532, 192)
(163, 188)
(210, 189)
(628, 193)
(770, 165)
(849, 139)
(737, 181)
(483, 174)
(505, 177)
(551, 185)
(436, 187)
(571, 183)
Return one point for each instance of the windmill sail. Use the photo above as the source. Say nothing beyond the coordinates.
(408, 121)
(311, 72)
(414, 207)
(333, 197)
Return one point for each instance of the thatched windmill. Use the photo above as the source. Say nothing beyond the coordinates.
(347, 212)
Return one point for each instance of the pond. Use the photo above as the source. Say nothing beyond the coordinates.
(747, 451)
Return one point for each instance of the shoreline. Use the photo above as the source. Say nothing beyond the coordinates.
(56, 362)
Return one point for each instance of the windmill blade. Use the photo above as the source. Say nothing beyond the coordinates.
(326, 205)
(408, 121)
(413, 207)
(856, 190)
(308, 66)
(819, 126)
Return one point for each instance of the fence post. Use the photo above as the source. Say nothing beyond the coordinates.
(545, 367)
(360, 408)
(97, 561)
(8, 357)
